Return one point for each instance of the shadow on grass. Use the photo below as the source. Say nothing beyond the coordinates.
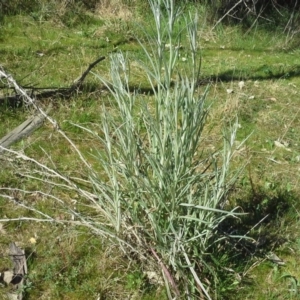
(264, 72)
(262, 224)
(264, 212)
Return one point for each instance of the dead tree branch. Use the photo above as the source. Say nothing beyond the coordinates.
(30, 101)
(22, 131)
(17, 99)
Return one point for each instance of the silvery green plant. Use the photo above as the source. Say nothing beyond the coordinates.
(162, 195)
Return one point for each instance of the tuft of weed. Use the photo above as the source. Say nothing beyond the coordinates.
(162, 196)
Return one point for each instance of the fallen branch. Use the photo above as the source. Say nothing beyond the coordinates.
(17, 99)
(78, 82)
(22, 131)
(30, 101)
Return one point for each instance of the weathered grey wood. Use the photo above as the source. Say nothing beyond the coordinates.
(19, 271)
(23, 130)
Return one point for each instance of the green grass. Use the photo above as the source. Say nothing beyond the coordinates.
(69, 264)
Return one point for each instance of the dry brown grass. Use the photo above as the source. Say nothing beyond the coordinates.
(112, 9)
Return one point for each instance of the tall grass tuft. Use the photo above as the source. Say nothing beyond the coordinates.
(162, 195)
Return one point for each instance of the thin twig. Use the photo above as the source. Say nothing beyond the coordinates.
(166, 272)
(221, 19)
(78, 82)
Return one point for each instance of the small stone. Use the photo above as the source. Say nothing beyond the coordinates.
(241, 84)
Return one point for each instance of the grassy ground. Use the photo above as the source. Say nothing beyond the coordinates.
(70, 263)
